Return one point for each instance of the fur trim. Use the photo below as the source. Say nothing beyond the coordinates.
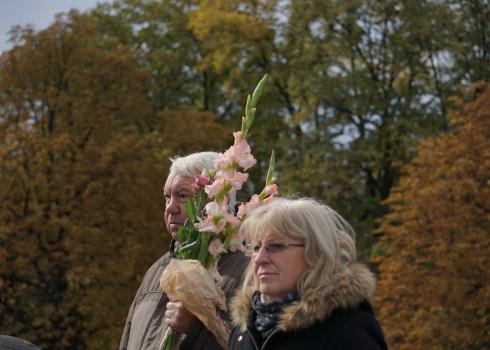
(347, 289)
(241, 308)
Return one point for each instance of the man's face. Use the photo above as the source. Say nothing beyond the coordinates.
(177, 191)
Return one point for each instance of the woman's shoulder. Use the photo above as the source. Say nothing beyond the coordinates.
(356, 327)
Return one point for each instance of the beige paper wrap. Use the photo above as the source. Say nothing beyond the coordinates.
(189, 282)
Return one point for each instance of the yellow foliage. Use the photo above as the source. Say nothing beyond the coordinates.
(434, 288)
(223, 31)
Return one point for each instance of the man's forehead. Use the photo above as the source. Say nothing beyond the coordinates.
(176, 182)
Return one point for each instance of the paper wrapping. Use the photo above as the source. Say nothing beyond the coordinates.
(189, 282)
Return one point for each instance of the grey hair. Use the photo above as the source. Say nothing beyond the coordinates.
(328, 238)
(193, 164)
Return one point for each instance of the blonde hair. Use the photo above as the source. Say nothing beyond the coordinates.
(193, 164)
(328, 238)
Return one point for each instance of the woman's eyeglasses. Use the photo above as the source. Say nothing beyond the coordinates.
(271, 247)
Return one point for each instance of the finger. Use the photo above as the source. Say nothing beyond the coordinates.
(171, 306)
(169, 314)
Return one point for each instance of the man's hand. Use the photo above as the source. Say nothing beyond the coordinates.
(177, 317)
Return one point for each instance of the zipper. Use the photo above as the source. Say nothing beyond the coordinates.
(253, 339)
(265, 342)
(267, 339)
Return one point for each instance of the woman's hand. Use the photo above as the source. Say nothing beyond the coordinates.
(177, 317)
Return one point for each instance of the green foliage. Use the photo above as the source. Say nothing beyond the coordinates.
(355, 83)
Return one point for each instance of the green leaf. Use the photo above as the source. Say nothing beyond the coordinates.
(229, 231)
(270, 171)
(205, 237)
(190, 209)
(186, 247)
(248, 106)
(210, 261)
(247, 121)
(258, 90)
(181, 236)
(195, 249)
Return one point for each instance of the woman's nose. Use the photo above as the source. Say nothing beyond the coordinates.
(262, 256)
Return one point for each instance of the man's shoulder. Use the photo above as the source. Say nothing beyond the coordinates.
(156, 269)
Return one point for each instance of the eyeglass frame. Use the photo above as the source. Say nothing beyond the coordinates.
(269, 247)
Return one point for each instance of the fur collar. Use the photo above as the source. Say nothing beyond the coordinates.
(347, 289)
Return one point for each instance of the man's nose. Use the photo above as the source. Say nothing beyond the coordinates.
(172, 205)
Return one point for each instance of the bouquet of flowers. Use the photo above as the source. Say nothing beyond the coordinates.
(212, 229)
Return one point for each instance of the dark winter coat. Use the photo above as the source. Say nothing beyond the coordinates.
(145, 326)
(339, 317)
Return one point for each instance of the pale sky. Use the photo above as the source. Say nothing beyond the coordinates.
(39, 13)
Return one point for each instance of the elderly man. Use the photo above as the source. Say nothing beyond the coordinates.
(151, 311)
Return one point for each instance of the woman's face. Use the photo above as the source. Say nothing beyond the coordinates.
(278, 265)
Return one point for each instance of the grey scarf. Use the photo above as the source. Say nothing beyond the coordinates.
(267, 313)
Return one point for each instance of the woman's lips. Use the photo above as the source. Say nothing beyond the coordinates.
(263, 275)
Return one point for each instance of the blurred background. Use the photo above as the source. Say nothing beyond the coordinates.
(379, 108)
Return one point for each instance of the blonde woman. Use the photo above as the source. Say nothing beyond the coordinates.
(303, 288)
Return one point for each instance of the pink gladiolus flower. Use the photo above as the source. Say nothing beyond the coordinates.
(244, 209)
(199, 181)
(216, 187)
(241, 211)
(217, 209)
(216, 218)
(223, 161)
(215, 247)
(232, 220)
(236, 243)
(241, 152)
(237, 137)
(209, 225)
(238, 154)
(234, 178)
(214, 272)
(271, 190)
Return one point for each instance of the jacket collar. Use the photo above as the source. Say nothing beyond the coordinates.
(345, 290)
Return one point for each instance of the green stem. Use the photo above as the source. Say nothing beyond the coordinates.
(203, 251)
(187, 247)
(169, 343)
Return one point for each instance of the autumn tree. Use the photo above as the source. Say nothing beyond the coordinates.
(434, 279)
(83, 155)
(188, 70)
(80, 186)
(470, 30)
(353, 84)
(347, 81)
